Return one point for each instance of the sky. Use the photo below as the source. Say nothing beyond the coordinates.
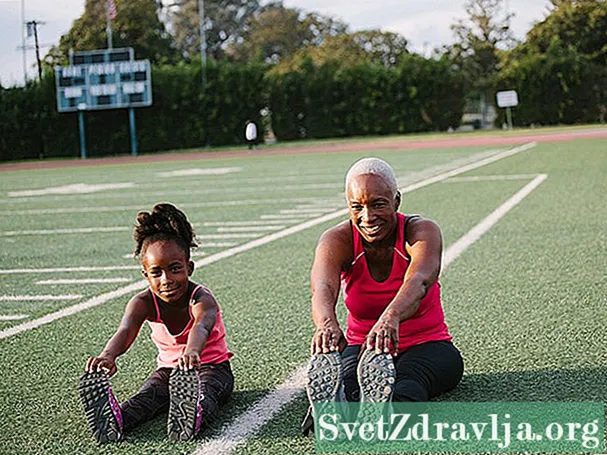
(424, 23)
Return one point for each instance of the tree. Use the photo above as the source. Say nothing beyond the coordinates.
(560, 70)
(579, 23)
(225, 21)
(350, 49)
(481, 38)
(137, 25)
(278, 32)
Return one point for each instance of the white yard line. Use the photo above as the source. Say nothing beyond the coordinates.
(227, 236)
(86, 281)
(13, 317)
(309, 210)
(32, 298)
(137, 208)
(65, 231)
(285, 216)
(133, 287)
(248, 424)
(475, 233)
(250, 228)
(237, 223)
(485, 178)
(217, 244)
(199, 171)
(72, 189)
(107, 268)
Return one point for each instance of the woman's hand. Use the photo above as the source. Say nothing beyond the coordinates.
(328, 338)
(103, 363)
(189, 361)
(383, 336)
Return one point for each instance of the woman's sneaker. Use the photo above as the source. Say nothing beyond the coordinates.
(185, 410)
(101, 407)
(376, 377)
(325, 381)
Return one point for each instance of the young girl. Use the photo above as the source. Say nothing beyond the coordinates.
(194, 375)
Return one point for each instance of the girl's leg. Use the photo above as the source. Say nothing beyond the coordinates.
(217, 384)
(427, 370)
(151, 400)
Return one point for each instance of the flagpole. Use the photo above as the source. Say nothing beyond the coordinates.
(108, 27)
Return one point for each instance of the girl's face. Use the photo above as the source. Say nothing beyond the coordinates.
(167, 269)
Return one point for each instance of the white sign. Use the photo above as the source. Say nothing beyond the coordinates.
(508, 98)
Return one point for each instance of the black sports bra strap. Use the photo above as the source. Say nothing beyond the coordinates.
(407, 219)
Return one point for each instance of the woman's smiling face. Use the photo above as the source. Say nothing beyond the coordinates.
(372, 205)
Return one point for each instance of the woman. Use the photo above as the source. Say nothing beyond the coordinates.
(396, 345)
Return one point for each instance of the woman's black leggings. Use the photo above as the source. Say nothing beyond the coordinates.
(422, 372)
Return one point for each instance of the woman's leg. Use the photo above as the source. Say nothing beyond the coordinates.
(349, 362)
(427, 370)
(151, 400)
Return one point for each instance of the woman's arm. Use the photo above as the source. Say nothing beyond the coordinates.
(204, 310)
(331, 254)
(425, 247)
(135, 314)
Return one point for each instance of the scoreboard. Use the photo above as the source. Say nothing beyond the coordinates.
(105, 79)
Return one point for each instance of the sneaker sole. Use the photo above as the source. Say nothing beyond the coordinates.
(184, 411)
(324, 377)
(98, 402)
(376, 377)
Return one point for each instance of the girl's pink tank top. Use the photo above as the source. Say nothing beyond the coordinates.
(366, 299)
(171, 347)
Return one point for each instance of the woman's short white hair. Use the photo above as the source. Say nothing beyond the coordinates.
(375, 166)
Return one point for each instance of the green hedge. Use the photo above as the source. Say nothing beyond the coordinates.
(180, 117)
(329, 101)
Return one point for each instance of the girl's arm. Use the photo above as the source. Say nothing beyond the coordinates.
(135, 314)
(204, 310)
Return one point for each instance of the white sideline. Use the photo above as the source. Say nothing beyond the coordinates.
(103, 298)
(250, 422)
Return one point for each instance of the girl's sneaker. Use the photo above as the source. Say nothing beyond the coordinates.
(101, 407)
(185, 410)
(376, 377)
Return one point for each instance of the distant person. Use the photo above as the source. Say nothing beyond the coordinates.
(193, 377)
(251, 133)
(396, 346)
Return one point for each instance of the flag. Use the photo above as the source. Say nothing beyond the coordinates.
(111, 9)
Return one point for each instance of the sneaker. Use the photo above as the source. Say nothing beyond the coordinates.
(101, 407)
(376, 377)
(325, 382)
(185, 410)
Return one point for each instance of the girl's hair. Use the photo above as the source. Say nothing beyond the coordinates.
(166, 222)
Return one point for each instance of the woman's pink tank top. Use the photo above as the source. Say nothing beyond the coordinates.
(366, 299)
(171, 347)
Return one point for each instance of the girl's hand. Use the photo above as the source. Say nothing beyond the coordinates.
(189, 361)
(101, 364)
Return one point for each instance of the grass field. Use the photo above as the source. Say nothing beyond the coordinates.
(526, 302)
